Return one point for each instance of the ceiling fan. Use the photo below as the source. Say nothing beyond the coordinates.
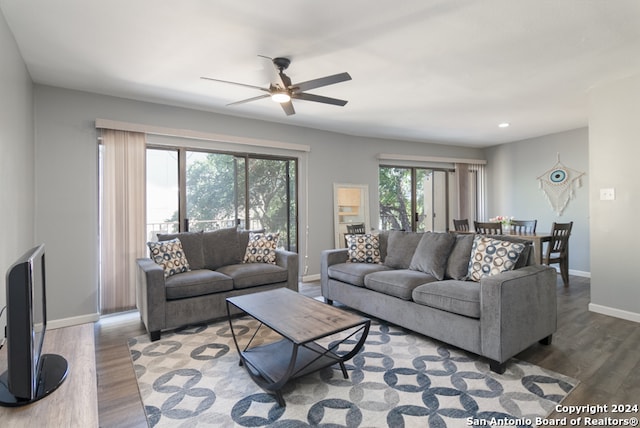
(284, 91)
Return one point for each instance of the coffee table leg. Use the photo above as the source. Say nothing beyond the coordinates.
(344, 370)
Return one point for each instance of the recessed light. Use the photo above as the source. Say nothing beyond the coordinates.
(503, 125)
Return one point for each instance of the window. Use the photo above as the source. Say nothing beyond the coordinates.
(414, 199)
(192, 190)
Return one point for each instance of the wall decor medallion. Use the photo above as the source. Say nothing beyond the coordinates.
(558, 184)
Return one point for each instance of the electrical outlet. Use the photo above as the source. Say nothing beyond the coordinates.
(607, 194)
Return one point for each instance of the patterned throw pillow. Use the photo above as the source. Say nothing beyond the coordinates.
(490, 256)
(261, 248)
(363, 248)
(170, 255)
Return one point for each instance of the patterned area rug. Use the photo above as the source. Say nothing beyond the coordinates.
(191, 377)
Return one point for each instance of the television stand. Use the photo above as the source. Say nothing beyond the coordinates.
(75, 402)
(53, 371)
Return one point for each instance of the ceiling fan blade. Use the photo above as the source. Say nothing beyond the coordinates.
(238, 84)
(323, 81)
(288, 108)
(259, 97)
(318, 99)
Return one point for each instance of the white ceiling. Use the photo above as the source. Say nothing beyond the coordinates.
(423, 70)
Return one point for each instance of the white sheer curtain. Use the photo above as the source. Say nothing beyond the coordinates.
(123, 204)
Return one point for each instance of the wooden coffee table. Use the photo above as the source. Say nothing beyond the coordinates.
(301, 321)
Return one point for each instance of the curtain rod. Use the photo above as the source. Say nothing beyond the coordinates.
(197, 135)
(389, 156)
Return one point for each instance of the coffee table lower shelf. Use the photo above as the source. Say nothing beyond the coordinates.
(282, 361)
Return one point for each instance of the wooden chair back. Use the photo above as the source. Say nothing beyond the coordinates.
(558, 248)
(461, 225)
(356, 229)
(560, 233)
(488, 227)
(523, 227)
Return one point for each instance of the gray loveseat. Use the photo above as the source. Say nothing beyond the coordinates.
(216, 272)
(421, 283)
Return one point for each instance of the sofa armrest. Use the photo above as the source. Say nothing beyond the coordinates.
(151, 295)
(289, 260)
(328, 258)
(518, 308)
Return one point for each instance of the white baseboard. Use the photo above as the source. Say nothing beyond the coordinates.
(67, 322)
(580, 273)
(311, 278)
(613, 312)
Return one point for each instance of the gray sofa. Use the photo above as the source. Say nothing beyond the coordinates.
(216, 272)
(422, 284)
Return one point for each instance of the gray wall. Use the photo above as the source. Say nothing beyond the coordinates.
(67, 188)
(16, 156)
(614, 146)
(513, 188)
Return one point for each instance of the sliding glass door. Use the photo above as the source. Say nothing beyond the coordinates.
(201, 191)
(413, 199)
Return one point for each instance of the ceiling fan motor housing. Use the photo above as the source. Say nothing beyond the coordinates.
(282, 63)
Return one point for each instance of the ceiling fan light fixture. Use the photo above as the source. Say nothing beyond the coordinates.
(280, 97)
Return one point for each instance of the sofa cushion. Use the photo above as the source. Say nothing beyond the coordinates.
(432, 253)
(246, 275)
(364, 248)
(170, 255)
(191, 244)
(220, 248)
(458, 297)
(458, 263)
(354, 273)
(261, 248)
(491, 256)
(397, 283)
(383, 238)
(400, 248)
(196, 283)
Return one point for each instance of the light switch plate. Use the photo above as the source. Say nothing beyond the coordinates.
(607, 194)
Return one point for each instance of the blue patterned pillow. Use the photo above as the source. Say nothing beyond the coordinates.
(490, 256)
(170, 255)
(261, 248)
(363, 248)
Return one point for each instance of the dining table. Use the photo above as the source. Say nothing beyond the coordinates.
(538, 240)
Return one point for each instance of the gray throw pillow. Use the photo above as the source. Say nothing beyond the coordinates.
(432, 253)
(458, 263)
(400, 248)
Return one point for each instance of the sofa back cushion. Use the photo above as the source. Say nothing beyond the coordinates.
(432, 253)
(458, 263)
(400, 248)
(191, 245)
(221, 248)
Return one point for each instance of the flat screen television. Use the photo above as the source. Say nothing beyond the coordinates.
(30, 375)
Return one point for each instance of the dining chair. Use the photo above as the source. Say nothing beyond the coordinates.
(355, 229)
(461, 225)
(558, 249)
(488, 228)
(522, 227)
